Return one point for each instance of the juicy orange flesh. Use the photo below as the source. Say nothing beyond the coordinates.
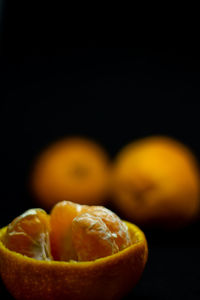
(71, 232)
(28, 234)
(61, 219)
(86, 232)
(115, 225)
(91, 238)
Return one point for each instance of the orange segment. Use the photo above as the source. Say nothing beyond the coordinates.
(61, 219)
(116, 226)
(91, 238)
(28, 234)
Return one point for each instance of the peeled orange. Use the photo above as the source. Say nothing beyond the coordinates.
(84, 233)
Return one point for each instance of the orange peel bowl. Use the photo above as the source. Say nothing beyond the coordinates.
(106, 278)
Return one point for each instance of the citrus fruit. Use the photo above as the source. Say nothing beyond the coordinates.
(28, 234)
(82, 232)
(91, 238)
(117, 227)
(61, 219)
(155, 180)
(75, 169)
(110, 277)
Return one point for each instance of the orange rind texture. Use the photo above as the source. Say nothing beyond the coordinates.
(106, 278)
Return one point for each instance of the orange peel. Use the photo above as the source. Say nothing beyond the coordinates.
(106, 278)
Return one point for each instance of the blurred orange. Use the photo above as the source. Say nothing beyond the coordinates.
(74, 169)
(156, 181)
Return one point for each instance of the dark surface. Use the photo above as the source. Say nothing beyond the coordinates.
(112, 95)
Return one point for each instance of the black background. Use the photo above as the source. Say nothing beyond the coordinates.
(54, 85)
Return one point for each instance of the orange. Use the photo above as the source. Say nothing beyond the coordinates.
(155, 180)
(28, 234)
(75, 169)
(28, 278)
(82, 232)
